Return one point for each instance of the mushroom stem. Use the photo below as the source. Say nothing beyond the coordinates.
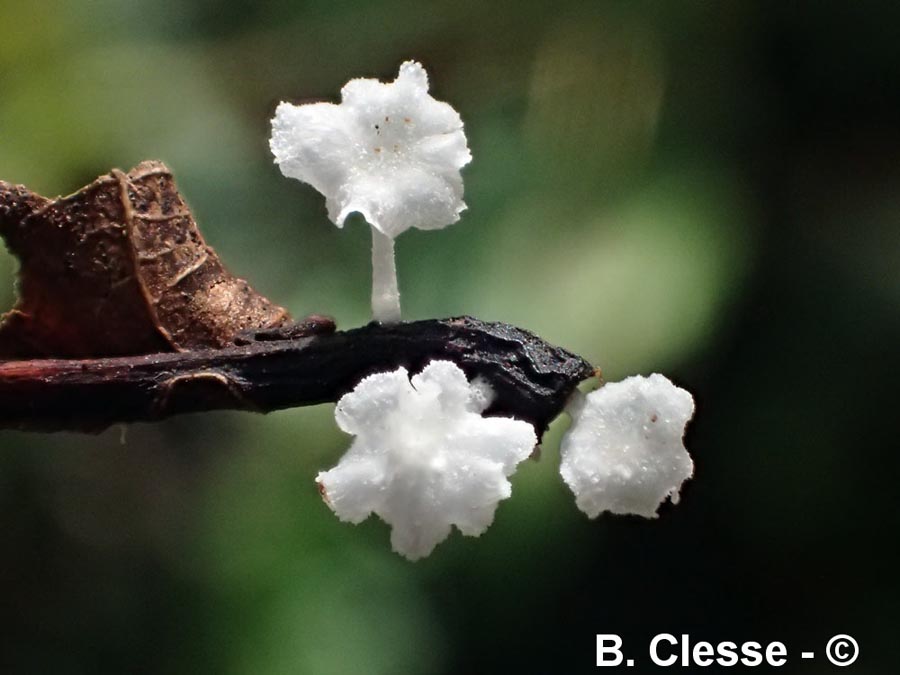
(385, 294)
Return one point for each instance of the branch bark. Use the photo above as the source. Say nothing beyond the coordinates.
(286, 367)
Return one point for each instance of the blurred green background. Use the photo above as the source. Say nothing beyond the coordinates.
(709, 190)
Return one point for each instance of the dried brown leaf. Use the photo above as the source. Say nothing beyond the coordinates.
(120, 268)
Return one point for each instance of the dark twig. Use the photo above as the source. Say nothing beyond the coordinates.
(276, 369)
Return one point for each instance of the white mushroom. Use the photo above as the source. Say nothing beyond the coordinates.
(390, 152)
(424, 459)
(624, 452)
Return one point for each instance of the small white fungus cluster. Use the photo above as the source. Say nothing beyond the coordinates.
(624, 452)
(424, 459)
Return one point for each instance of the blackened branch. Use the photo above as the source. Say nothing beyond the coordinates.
(276, 369)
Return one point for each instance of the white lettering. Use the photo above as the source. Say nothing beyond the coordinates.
(603, 650)
(703, 653)
(774, 650)
(667, 650)
(727, 654)
(654, 656)
(751, 655)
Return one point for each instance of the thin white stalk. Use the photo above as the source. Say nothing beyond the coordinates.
(385, 294)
